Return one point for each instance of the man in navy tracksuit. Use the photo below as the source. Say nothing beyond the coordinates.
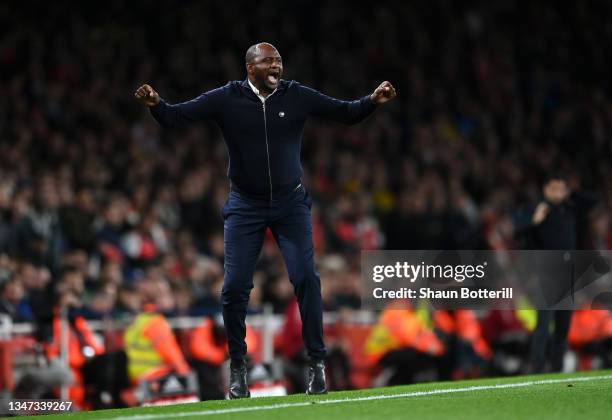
(262, 120)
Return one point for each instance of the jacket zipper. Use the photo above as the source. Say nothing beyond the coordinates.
(267, 147)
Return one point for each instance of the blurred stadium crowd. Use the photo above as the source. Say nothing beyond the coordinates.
(99, 206)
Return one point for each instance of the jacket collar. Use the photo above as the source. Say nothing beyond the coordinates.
(282, 85)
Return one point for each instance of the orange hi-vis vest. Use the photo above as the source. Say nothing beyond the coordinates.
(401, 328)
(203, 347)
(76, 358)
(465, 325)
(80, 341)
(589, 326)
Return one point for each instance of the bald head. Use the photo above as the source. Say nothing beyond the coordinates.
(264, 66)
(257, 49)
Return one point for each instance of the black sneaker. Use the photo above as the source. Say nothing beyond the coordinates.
(316, 378)
(238, 381)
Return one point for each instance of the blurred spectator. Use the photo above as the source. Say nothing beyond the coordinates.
(150, 345)
(82, 345)
(12, 301)
(147, 242)
(77, 221)
(112, 228)
(508, 335)
(600, 233)
(37, 234)
(128, 303)
(462, 336)
(591, 334)
(403, 348)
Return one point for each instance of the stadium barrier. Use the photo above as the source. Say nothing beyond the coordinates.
(20, 351)
(6, 371)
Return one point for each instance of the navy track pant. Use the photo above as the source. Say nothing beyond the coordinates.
(245, 223)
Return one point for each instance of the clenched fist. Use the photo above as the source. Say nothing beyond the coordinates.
(383, 93)
(147, 95)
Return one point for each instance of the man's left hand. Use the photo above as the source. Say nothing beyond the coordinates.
(383, 93)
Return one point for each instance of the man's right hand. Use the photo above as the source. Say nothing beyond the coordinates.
(540, 213)
(147, 95)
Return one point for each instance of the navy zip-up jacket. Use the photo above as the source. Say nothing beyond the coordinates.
(263, 139)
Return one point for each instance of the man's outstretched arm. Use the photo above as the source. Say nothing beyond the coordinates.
(177, 115)
(348, 112)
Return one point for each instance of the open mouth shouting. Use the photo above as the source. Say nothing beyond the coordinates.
(273, 78)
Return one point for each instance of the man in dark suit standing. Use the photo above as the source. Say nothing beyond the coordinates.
(554, 224)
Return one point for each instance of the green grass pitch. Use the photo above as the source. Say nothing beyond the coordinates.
(583, 395)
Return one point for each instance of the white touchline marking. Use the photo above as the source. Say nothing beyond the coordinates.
(357, 399)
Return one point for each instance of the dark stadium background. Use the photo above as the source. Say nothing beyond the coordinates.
(492, 97)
